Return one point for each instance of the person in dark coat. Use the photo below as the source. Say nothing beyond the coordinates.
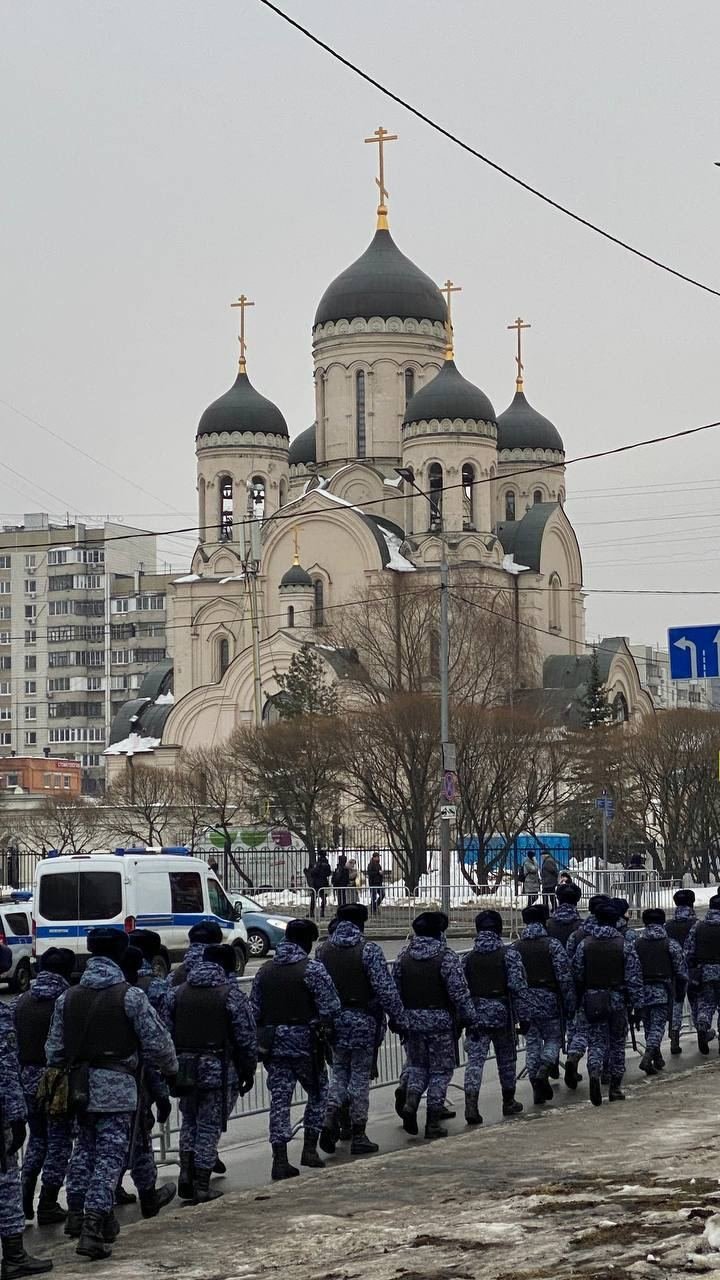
(664, 979)
(679, 929)
(549, 1004)
(702, 953)
(318, 878)
(549, 872)
(497, 982)
(340, 879)
(609, 981)
(206, 933)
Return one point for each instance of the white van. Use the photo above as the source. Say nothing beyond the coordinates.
(162, 889)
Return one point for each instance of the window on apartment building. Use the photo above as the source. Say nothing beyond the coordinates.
(90, 761)
(31, 613)
(5, 739)
(31, 561)
(5, 713)
(4, 587)
(58, 684)
(4, 637)
(58, 608)
(31, 586)
(30, 662)
(5, 663)
(5, 613)
(31, 637)
(47, 779)
(5, 688)
(151, 602)
(30, 738)
(30, 686)
(58, 557)
(5, 562)
(95, 682)
(66, 781)
(121, 605)
(31, 713)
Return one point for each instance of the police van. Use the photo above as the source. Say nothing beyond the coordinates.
(16, 933)
(162, 889)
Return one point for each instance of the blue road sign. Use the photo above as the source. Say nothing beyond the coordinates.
(607, 803)
(694, 652)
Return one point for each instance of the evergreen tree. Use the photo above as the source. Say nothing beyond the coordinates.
(594, 706)
(305, 690)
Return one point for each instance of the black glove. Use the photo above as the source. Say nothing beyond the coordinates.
(246, 1083)
(523, 1027)
(18, 1129)
(163, 1109)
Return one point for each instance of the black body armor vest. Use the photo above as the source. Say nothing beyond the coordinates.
(486, 974)
(97, 1030)
(32, 1027)
(561, 929)
(421, 984)
(345, 966)
(678, 930)
(201, 1020)
(654, 955)
(707, 944)
(604, 963)
(536, 957)
(286, 1001)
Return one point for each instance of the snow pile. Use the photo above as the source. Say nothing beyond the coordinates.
(132, 746)
(397, 561)
(165, 700)
(189, 577)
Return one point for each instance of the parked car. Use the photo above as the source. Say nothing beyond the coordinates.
(265, 929)
(16, 933)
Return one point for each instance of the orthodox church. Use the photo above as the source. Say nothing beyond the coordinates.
(407, 464)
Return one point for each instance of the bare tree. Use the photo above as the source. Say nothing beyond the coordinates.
(70, 825)
(213, 789)
(144, 801)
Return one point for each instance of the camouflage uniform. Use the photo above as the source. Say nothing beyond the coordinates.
(104, 1130)
(657, 997)
(567, 914)
(291, 1060)
(12, 1218)
(204, 1112)
(545, 1010)
(495, 1020)
(606, 1040)
(50, 1143)
(708, 975)
(143, 1169)
(431, 1044)
(685, 913)
(360, 1032)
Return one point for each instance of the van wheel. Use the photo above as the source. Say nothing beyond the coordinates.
(258, 943)
(241, 961)
(161, 965)
(21, 979)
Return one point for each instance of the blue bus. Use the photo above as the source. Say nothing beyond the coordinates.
(555, 842)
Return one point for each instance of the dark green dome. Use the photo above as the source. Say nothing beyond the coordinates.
(242, 408)
(449, 395)
(522, 427)
(384, 283)
(303, 447)
(296, 576)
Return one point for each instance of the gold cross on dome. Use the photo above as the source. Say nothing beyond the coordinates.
(296, 559)
(519, 324)
(449, 288)
(242, 302)
(381, 136)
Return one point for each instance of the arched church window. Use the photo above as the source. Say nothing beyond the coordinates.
(223, 656)
(510, 505)
(554, 611)
(537, 496)
(621, 713)
(435, 485)
(409, 386)
(258, 497)
(318, 603)
(360, 432)
(226, 508)
(468, 488)
(321, 398)
(282, 492)
(291, 615)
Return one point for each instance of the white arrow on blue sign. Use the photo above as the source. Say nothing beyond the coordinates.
(694, 652)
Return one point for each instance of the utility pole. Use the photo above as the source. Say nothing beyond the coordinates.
(252, 567)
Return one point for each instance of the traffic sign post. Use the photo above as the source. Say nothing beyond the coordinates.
(448, 812)
(694, 652)
(606, 805)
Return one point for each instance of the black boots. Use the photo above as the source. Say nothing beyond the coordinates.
(646, 1063)
(345, 1125)
(92, 1243)
(111, 1228)
(446, 1112)
(309, 1156)
(73, 1223)
(219, 1167)
(185, 1188)
(703, 1040)
(539, 1094)
(123, 1197)
(595, 1091)
(361, 1144)
(572, 1078)
(542, 1082)
(281, 1166)
(28, 1196)
(152, 1201)
(510, 1106)
(49, 1212)
(330, 1131)
(16, 1262)
(400, 1095)
(203, 1192)
(616, 1094)
(554, 1071)
(433, 1127)
(410, 1110)
(675, 1047)
(472, 1113)
(658, 1060)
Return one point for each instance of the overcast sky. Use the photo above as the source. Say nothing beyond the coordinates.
(159, 158)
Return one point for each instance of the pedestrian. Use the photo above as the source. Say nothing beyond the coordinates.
(375, 877)
(550, 1002)
(206, 933)
(565, 878)
(635, 876)
(577, 1035)
(340, 879)
(621, 907)
(664, 981)
(215, 1038)
(609, 981)
(497, 982)
(530, 877)
(318, 878)
(354, 881)
(565, 919)
(549, 873)
(702, 954)
(678, 929)
(99, 1032)
(296, 1006)
(50, 1144)
(16, 1261)
(367, 994)
(434, 991)
(214, 866)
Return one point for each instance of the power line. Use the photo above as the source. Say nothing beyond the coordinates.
(465, 146)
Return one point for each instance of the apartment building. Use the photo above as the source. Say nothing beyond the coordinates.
(83, 616)
(653, 664)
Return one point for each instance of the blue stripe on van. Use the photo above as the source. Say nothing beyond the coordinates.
(179, 920)
(18, 940)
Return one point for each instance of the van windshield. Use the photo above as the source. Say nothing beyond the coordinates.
(81, 895)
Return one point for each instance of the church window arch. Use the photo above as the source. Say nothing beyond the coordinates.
(291, 615)
(201, 508)
(222, 656)
(537, 496)
(225, 514)
(258, 496)
(360, 419)
(554, 611)
(510, 504)
(435, 486)
(409, 386)
(318, 603)
(282, 492)
(621, 713)
(468, 495)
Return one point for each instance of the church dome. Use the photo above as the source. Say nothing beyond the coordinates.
(522, 427)
(296, 576)
(303, 447)
(384, 283)
(242, 408)
(449, 395)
